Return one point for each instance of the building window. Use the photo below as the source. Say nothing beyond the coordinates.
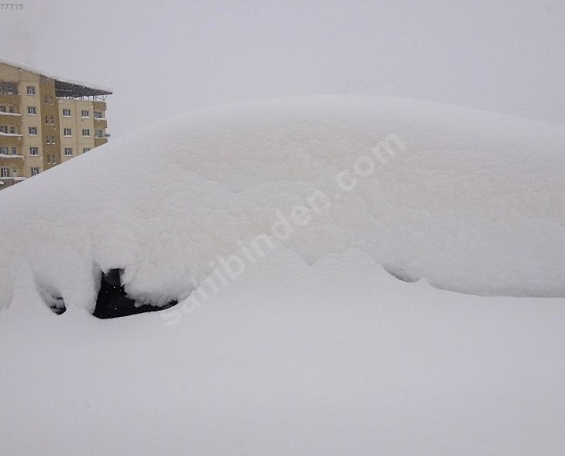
(4, 172)
(68, 151)
(14, 151)
(4, 150)
(13, 130)
(85, 113)
(50, 139)
(32, 131)
(66, 112)
(3, 129)
(34, 151)
(9, 88)
(99, 133)
(67, 132)
(85, 132)
(11, 109)
(48, 99)
(32, 110)
(15, 172)
(85, 150)
(98, 115)
(2, 108)
(30, 90)
(52, 120)
(34, 171)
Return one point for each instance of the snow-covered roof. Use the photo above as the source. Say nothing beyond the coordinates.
(64, 87)
(26, 67)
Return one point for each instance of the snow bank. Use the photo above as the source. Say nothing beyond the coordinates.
(337, 358)
(471, 201)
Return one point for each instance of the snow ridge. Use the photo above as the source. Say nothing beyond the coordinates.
(469, 200)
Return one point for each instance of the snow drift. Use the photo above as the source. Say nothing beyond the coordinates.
(469, 200)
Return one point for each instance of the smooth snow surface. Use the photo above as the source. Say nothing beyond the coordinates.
(472, 201)
(338, 358)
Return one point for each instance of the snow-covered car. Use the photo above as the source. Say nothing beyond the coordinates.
(469, 200)
(262, 233)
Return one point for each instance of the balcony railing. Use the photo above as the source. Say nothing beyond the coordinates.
(10, 156)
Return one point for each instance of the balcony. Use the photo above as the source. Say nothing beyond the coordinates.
(10, 124)
(10, 140)
(100, 141)
(10, 99)
(100, 122)
(99, 105)
(6, 182)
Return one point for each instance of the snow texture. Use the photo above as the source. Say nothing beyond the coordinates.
(331, 358)
(469, 200)
(334, 359)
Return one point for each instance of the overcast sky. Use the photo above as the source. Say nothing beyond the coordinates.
(165, 57)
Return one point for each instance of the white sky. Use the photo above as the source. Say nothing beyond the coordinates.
(166, 57)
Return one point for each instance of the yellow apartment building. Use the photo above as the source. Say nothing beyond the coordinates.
(45, 121)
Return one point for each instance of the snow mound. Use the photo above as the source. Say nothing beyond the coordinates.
(469, 200)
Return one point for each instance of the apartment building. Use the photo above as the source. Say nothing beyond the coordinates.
(45, 121)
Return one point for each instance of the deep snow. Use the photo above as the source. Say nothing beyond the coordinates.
(472, 201)
(338, 358)
(311, 347)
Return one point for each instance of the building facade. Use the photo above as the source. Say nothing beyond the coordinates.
(45, 121)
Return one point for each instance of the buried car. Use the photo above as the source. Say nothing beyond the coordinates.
(469, 200)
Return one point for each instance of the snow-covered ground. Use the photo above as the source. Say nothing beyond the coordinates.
(338, 358)
(276, 221)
